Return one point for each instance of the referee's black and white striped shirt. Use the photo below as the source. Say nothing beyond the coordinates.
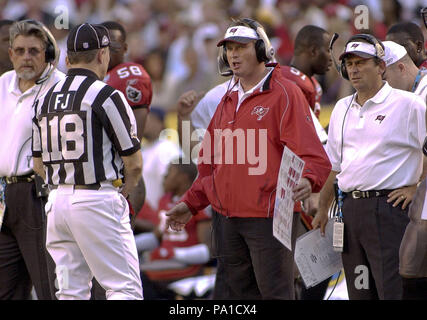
(81, 128)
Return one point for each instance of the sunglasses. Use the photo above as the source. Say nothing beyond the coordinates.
(34, 52)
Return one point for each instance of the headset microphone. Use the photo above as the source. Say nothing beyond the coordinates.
(223, 68)
(331, 44)
(47, 75)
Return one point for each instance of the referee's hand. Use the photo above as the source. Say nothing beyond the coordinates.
(178, 217)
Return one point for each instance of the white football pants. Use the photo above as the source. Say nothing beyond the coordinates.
(89, 234)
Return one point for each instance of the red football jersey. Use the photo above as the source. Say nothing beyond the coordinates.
(173, 239)
(135, 83)
(423, 65)
(313, 93)
(148, 213)
(309, 86)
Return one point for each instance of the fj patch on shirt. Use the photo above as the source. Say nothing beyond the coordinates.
(260, 112)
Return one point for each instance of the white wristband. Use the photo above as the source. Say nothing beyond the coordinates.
(197, 254)
(146, 241)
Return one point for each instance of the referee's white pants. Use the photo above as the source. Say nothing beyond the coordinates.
(89, 234)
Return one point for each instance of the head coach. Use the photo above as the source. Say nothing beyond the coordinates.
(255, 265)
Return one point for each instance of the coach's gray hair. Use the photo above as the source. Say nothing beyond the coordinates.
(27, 28)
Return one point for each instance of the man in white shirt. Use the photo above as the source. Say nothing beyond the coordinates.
(402, 73)
(23, 257)
(374, 144)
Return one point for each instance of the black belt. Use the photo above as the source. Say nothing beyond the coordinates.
(16, 179)
(93, 186)
(357, 194)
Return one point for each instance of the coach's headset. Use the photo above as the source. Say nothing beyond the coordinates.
(52, 51)
(341, 68)
(263, 48)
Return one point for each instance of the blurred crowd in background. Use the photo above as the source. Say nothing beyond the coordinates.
(175, 40)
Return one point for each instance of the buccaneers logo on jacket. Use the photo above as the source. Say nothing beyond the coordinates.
(260, 112)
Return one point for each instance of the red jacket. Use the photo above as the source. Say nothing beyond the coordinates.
(310, 87)
(279, 112)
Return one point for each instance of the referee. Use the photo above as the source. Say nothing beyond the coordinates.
(84, 134)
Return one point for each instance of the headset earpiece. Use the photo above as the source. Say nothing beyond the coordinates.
(50, 53)
(263, 47)
(260, 51)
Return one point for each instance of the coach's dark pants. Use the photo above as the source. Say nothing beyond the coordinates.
(373, 231)
(23, 254)
(414, 288)
(253, 263)
(220, 283)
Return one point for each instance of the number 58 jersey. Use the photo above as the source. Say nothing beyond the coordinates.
(81, 128)
(135, 83)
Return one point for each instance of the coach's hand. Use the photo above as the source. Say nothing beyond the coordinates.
(178, 217)
(302, 190)
(311, 204)
(186, 103)
(402, 195)
(320, 220)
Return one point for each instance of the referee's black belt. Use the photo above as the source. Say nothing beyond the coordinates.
(93, 186)
(357, 194)
(16, 179)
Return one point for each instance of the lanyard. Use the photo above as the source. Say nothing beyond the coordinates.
(2, 190)
(417, 81)
(338, 227)
(340, 204)
(2, 201)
